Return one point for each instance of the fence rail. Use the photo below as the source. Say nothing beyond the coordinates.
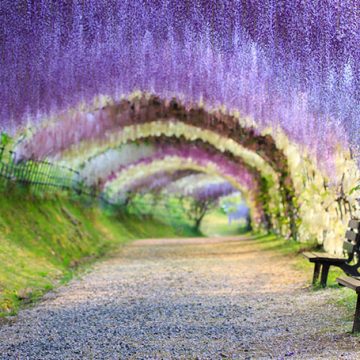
(39, 175)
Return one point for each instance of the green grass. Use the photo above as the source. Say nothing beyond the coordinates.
(170, 212)
(167, 211)
(345, 298)
(294, 249)
(43, 241)
(216, 224)
(284, 246)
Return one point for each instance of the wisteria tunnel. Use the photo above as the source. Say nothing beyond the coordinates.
(121, 100)
(222, 84)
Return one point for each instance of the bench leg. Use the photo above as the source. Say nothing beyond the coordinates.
(316, 273)
(356, 326)
(324, 274)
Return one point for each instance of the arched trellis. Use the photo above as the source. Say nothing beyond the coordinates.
(79, 153)
(116, 119)
(157, 191)
(174, 182)
(158, 181)
(177, 132)
(173, 163)
(145, 109)
(267, 196)
(269, 199)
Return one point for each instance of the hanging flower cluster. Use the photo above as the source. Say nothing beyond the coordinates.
(156, 183)
(200, 157)
(192, 182)
(192, 158)
(100, 167)
(293, 65)
(211, 191)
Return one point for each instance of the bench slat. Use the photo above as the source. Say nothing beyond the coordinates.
(324, 256)
(328, 256)
(354, 224)
(349, 282)
(308, 255)
(351, 236)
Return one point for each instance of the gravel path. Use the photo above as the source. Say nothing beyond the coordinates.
(184, 299)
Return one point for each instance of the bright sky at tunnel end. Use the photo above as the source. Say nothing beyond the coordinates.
(288, 64)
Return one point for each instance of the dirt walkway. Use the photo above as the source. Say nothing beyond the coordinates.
(184, 299)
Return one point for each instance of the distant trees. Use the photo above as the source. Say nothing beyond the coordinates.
(200, 201)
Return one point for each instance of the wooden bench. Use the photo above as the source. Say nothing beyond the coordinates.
(353, 284)
(349, 263)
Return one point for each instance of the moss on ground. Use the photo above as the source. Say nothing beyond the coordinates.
(44, 240)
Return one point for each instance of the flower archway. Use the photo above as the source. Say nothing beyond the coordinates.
(249, 78)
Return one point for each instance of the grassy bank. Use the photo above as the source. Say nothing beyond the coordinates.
(43, 240)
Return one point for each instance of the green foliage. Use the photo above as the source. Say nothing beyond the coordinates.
(167, 210)
(347, 300)
(216, 223)
(4, 139)
(288, 247)
(356, 188)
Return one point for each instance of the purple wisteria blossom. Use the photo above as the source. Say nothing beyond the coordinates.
(211, 191)
(155, 183)
(288, 64)
(200, 157)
